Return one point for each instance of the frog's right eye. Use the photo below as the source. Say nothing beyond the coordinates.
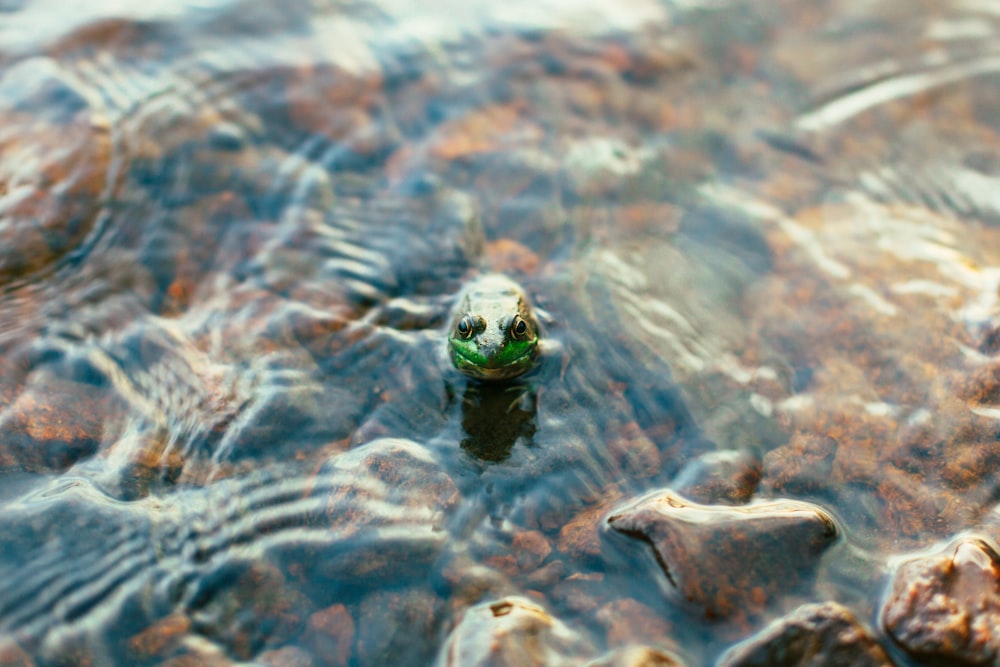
(464, 327)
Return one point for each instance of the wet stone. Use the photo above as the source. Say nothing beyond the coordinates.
(531, 548)
(814, 635)
(260, 610)
(727, 477)
(724, 560)
(511, 632)
(396, 627)
(804, 465)
(286, 656)
(161, 638)
(329, 636)
(631, 622)
(53, 166)
(638, 656)
(12, 655)
(944, 608)
(53, 424)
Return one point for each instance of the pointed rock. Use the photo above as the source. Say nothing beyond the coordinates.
(814, 635)
(944, 608)
(727, 560)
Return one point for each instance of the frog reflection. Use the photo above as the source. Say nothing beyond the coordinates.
(496, 416)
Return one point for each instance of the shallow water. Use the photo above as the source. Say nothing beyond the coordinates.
(761, 237)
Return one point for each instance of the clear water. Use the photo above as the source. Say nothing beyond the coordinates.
(762, 237)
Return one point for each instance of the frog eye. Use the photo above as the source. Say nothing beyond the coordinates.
(518, 327)
(464, 327)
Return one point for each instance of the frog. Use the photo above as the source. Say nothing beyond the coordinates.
(494, 333)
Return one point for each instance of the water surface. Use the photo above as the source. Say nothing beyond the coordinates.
(762, 238)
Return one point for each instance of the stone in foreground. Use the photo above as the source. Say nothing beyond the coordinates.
(944, 608)
(814, 635)
(512, 632)
(729, 560)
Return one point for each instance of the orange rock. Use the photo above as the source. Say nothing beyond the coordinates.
(506, 255)
(12, 655)
(631, 622)
(53, 426)
(479, 131)
(161, 637)
(943, 607)
(530, 549)
(581, 536)
(329, 635)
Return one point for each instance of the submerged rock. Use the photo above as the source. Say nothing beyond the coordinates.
(512, 632)
(944, 607)
(224, 564)
(726, 477)
(814, 635)
(726, 560)
(637, 656)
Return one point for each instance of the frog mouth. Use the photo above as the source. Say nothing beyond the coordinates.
(511, 361)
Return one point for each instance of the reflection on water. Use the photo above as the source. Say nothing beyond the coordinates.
(765, 239)
(496, 417)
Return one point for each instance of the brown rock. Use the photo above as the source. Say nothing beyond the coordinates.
(803, 465)
(945, 607)
(161, 637)
(397, 627)
(530, 549)
(286, 656)
(12, 655)
(638, 656)
(50, 207)
(199, 653)
(512, 632)
(581, 536)
(728, 477)
(814, 635)
(510, 256)
(53, 424)
(481, 131)
(728, 560)
(329, 635)
(631, 622)
(260, 607)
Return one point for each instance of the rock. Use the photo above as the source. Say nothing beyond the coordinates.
(727, 477)
(814, 635)
(631, 622)
(530, 549)
(580, 537)
(199, 652)
(329, 636)
(638, 656)
(804, 465)
(727, 560)
(397, 627)
(12, 655)
(259, 610)
(286, 656)
(160, 638)
(511, 632)
(54, 164)
(54, 424)
(598, 166)
(945, 607)
(581, 592)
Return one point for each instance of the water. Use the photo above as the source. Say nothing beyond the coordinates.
(761, 239)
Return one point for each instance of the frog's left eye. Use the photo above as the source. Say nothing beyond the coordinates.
(518, 328)
(464, 327)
